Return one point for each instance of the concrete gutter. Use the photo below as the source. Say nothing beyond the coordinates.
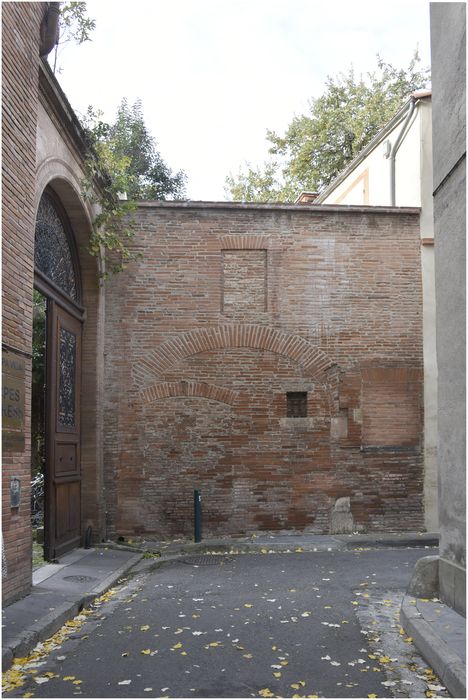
(444, 660)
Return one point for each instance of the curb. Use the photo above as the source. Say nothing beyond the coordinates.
(448, 666)
(330, 543)
(51, 623)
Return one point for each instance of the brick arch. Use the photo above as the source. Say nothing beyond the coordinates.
(231, 335)
(166, 390)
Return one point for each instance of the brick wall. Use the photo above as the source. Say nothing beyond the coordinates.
(230, 308)
(20, 58)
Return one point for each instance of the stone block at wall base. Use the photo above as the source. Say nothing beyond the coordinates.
(425, 580)
(452, 585)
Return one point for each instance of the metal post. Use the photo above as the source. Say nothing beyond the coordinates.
(197, 515)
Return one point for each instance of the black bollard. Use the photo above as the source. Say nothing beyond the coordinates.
(197, 515)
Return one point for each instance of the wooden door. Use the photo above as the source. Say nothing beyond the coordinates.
(63, 473)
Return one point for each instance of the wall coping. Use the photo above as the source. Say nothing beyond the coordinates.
(280, 206)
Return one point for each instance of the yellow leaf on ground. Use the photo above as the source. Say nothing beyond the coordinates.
(384, 659)
(69, 678)
(372, 695)
(274, 648)
(77, 682)
(284, 663)
(145, 651)
(277, 674)
(247, 656)
(183, 653)
(266, 693)
(247, 605)
(296, 686)
(144, 628)
(177, 646)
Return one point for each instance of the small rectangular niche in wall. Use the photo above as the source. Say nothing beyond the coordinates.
(296, 404)
(244, 281)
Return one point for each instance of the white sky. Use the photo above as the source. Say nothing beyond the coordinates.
(214, 75)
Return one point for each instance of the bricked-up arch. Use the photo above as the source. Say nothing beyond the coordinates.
(166, 390)
(231, 335)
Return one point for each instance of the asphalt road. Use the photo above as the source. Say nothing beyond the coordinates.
(292, 625)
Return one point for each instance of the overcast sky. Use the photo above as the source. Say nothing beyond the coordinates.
(214, 75)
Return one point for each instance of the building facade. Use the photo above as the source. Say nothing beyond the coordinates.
(46, 228)
(449, 129)
(235, 315)
(395, 169)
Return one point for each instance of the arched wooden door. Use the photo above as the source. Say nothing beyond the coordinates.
(57, 278)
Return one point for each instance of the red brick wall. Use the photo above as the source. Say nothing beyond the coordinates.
(196, 387)
(20, 58)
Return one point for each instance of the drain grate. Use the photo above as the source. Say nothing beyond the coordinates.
(80, 579)
(206, 560)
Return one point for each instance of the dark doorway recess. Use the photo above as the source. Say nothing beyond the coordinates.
(57, 282)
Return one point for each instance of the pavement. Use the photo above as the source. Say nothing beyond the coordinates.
(61, 590)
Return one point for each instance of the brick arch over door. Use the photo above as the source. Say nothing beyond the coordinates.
(203, 390)
(231, 335)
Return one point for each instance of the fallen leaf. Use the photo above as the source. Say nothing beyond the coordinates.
(277, 674)
(247, 605)
(69, 678)
(384, 659)
(265, 692)
(144, 628)
(145, 651)
(124, 682)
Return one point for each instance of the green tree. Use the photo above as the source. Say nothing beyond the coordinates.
(74, 25)
(123, 158)
(338, 125)
(151, 178)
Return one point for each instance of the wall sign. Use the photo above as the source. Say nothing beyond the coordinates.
(13, 390)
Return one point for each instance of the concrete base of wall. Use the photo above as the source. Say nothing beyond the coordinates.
(452, 584)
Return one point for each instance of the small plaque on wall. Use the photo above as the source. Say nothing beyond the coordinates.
(13, 392)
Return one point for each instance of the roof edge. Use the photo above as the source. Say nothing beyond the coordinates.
(416, 96)
(281, 206)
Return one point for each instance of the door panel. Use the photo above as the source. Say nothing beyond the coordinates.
(63, 472)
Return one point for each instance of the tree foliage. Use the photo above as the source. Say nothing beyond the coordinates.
(124, 160)
(74, 26)
(150, 177)
(338, 125)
